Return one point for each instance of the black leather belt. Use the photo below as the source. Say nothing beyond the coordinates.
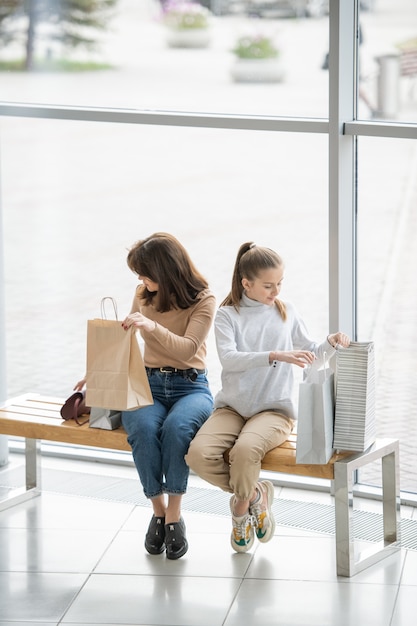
(191, 373)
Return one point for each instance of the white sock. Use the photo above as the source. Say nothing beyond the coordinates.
(257, 498)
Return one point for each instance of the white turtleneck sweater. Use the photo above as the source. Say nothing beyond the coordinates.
(244, 339)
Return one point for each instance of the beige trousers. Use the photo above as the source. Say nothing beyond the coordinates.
(249, 439)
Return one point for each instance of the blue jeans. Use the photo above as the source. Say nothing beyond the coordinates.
(160, 434)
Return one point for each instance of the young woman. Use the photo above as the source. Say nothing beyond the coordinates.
(173, 309)
(259, 338)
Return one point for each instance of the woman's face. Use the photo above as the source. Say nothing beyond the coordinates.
(266, 285)
(149, 284)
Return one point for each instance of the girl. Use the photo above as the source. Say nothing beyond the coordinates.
(259, 338)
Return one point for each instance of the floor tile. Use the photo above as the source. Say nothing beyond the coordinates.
(52, 550)
(409, 576)
(159, 600)
(295, 558)
(309, 603)
(66, 512)
(36, 597)
(405, 607)
(82, 560)
(208, 555)
(54, 623)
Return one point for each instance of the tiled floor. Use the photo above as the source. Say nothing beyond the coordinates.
(68, 559)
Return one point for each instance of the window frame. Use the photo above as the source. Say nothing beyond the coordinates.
(342, 128)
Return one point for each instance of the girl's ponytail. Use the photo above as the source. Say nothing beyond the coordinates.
(250, 261)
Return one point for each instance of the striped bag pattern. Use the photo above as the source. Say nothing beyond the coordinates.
(355, 421)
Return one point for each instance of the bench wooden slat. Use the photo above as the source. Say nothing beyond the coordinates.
(283, 460)
(28, 406)
(38, 417)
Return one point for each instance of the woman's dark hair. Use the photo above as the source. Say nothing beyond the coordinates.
(165, 261)
(250, 261)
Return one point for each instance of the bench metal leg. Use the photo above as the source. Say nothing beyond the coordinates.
(348, 562)
(32, 476)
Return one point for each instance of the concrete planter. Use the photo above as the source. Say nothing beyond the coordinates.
(257, 71)
(188, 37)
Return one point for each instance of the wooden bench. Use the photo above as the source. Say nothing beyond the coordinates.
(36, 418)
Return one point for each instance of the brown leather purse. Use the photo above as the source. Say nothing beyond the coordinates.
(74, 408)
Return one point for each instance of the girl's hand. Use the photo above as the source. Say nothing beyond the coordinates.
(139, 321)
(339, 339)
(295, 357)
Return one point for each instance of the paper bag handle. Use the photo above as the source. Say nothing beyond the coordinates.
(103, 307)
(311, 374)
(325, 366)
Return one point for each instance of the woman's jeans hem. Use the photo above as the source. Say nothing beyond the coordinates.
(167, 493)
(160, 434)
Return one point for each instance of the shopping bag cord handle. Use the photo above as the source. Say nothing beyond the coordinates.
(103, 307)
(326, 369)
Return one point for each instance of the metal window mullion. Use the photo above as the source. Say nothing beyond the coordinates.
(342, 220)
(394, 130)
(165, 118)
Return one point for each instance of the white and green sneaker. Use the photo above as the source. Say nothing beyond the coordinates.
(261, 511)
(242, 536)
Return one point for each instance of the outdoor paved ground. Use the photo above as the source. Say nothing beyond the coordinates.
(76, 196)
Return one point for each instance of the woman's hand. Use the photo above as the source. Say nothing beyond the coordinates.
(339, 339)
(139, 321)
(80, 385)
(295, 357)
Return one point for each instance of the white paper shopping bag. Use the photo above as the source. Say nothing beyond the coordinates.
(315, 417)
(105, 419)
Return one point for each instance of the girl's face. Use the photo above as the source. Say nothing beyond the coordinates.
(266, 285)
(149, 284)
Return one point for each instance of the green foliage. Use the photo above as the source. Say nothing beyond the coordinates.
(69, 22)
(184, 15)
(255, 47)
(53, 65)
(8, 10)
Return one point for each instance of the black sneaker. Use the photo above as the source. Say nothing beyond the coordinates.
(155, 537)
(175, 540)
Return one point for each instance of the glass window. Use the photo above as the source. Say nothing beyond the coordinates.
(387, 302)
(142, 62)
(88, 191)
(387, 60)
(76, 195)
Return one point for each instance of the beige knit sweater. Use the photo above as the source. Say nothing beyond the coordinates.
(179, 339)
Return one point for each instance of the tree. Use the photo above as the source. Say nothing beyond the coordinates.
(70, 22)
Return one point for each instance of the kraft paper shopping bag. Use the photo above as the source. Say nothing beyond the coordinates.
(315, 417)
(116, 375)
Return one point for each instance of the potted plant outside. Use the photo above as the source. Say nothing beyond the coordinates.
(187, 24)
(257, 59)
